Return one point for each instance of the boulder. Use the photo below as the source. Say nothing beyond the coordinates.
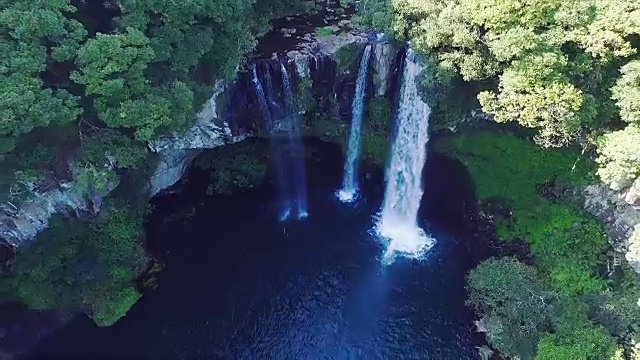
(632, 196)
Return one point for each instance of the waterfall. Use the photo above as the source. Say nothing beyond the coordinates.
(262, 99)
(295, 146)
(285, 206)
(349, 189)
(398, 219)
(275, 108)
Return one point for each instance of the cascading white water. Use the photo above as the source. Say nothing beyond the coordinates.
(349, 189)
(262, 99)
(398, 219)
(296, 147)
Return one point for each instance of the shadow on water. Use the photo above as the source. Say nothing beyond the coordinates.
(238, 285)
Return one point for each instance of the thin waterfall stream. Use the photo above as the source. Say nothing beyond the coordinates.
(295, 147)
(265, 109)
(349, 189)
(398, 218)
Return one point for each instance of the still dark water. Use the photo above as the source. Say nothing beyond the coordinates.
(239, 285)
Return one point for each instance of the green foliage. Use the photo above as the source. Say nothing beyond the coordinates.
(112, 66)
(627, 92)
(378, 114)
(525, 318)
(375, 133)
(375, 148)
(567, 246)
(346, 3)
(588, 343)
(495, 159)
(32, 38)
(233, 167)
(619, 157)
(376, 14)
(90, 178)
(575, 337)
(89, 266)
(347, 56)
(217, 33)
(141, 75)
(108, 144)
(324, 32)
(515, 304)
(450, 98)
(304, 95)
(331, 129)
(617, 309)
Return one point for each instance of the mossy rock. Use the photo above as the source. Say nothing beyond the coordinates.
(324, 31)
(348, 56)
(375, 148)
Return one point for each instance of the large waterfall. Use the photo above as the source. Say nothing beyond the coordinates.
(296, 148)
(349, 189)
(398, 219)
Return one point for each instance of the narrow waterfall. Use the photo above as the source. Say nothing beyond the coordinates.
(398, 219)
(275, 108)
(349, 189)
(296, 148)
(262, 99)
(285, 206)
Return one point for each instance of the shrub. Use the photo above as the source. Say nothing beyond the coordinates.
(90, 266)
(237, 166)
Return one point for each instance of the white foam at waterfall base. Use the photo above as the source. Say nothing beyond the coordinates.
(398, 224)
(349, 191)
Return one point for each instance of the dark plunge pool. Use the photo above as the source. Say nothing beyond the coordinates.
(239, 285)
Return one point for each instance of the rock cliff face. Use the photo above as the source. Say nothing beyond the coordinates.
(384, 55)
(21, 221)
(632, 196)
(317, 63)
(621, 219)
(177, 150)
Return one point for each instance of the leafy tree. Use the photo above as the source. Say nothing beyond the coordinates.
(575, 337)
(589, 343)
(216, 32)
(108, 144)
(627, 92)
(233, 167)
(87, 266)
(516, 307)
(31, 38)
(619, 157)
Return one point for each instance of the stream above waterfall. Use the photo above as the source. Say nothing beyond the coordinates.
(237, 284)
